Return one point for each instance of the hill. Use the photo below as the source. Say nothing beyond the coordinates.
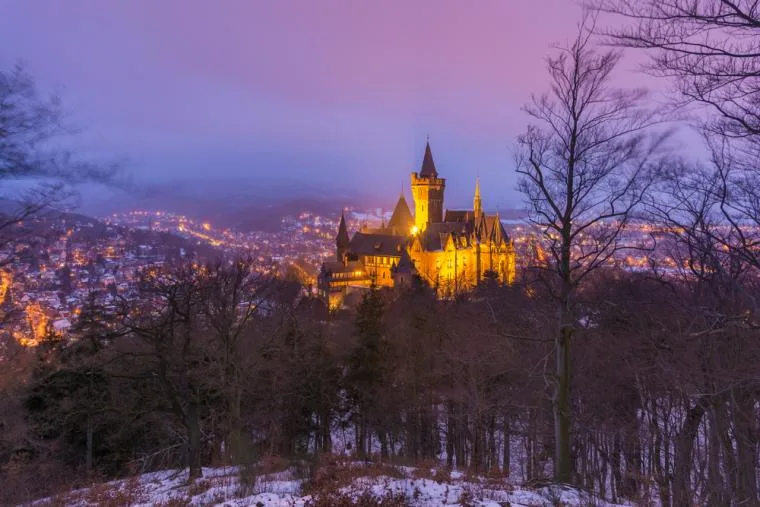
(361, 484)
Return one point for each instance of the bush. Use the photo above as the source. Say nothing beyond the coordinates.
(364, 499)
(330, 473)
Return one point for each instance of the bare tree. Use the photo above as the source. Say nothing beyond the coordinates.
(710, 48)
(584, 165)
(35, 166)
(231, 296)
(717, 259)
(163, 337)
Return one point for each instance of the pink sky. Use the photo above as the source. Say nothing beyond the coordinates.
(340, 93)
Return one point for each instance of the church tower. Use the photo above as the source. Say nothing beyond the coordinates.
(427, 190)
(477, 203)
(342, 240)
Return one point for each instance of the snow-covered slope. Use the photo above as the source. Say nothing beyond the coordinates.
(228, 487)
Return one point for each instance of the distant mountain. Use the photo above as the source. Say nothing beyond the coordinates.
(243, 205)
(267, 217)
(513, 214)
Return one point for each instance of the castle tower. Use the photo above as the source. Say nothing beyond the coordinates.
(477, 204)
(402, 221)
(342, 240)
(427, 190)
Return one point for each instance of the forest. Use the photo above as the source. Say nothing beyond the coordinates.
(639, 385)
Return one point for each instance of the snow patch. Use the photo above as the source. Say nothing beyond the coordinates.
(224, 487)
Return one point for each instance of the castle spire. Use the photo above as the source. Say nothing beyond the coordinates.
(401, 219)
(428, 166)
(477, 203)
(342, 240)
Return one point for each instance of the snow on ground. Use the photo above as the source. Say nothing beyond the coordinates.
(224, 487)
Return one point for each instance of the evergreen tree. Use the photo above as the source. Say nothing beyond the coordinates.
(368, 370)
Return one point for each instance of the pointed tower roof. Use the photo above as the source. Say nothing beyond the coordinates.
(342, 239)
(428, 166)
(405, 264)
(402, 218)
(477, 203)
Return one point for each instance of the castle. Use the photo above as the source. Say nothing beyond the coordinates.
(451, 250)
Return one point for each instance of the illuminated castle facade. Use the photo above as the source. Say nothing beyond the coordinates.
(451, 250)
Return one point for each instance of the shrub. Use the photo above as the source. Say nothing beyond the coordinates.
(364, 499)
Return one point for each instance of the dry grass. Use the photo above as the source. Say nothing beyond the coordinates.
(198, 487)
(466, 497)
(331, 473)
(22, 481)
(364, 499)
(121, 494)
(126, 493)
(432, 471)
(331, 477)
(424, 469)
(252, 477)
(442, 475)
(177, 501)
(328, 480)
(273, 464)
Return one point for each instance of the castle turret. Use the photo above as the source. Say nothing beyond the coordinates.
(402, 221)
(404, 272)
(427, 190)
(342, 240)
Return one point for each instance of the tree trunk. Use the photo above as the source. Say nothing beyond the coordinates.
(326, 434)
(683, 457)
(475, 460)
(506, 457)
(493, 460)
(617, 466)
(660, 469)
(632, 453)
(425, 431)
(561, 406)
(88, 457)
(530, 445)
(716, 494)
(746, 447)
(382, 436)
(235, 441)
(461, 452)
(450, 434)
(193, 426)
